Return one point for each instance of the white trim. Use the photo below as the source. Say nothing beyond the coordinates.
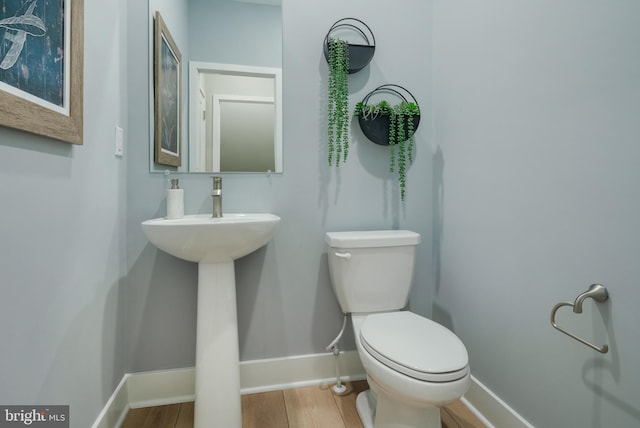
(161, 387)
(178, 386)
(297, 371)
(114, 412)
(491, 409)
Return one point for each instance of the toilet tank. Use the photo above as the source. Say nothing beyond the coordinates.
(372, 271)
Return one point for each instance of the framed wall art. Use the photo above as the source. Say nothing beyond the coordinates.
(167, 96)
(41, 66)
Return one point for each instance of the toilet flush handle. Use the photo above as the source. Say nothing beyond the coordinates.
(343, 255)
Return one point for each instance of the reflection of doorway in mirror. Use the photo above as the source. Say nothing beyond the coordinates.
(199, 155)
(247, 99)
(243, 133)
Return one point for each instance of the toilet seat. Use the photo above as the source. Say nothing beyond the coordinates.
(415, 346)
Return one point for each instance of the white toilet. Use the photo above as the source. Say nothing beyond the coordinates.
(414, 365)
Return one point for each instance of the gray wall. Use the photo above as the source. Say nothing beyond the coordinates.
(285, 302)
(536, 142)
(62, 243)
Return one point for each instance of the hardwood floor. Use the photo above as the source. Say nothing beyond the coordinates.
(309, 407)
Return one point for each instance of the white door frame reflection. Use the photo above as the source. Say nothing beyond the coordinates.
(259, 78)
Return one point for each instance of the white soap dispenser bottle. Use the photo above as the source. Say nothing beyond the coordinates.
(175, 200)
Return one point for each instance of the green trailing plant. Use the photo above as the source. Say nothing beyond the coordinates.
(401, 133)
(338, 101)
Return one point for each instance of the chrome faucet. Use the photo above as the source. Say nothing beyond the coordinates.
(216, 194)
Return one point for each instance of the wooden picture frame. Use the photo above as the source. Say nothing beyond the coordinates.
(31, 99)
(167, 80)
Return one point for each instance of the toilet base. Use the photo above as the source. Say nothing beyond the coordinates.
(389, 413)
(366, 407)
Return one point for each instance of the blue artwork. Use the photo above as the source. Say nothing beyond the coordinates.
(32, 47)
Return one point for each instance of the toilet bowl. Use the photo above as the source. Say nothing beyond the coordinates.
(414, 365)
(414, 371)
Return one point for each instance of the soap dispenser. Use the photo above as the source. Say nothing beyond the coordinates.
(175, 200)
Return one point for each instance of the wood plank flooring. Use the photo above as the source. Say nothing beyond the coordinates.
(309, 407)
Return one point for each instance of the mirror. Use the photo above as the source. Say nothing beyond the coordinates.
(232, 59)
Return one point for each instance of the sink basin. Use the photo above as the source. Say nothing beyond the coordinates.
(203, 239)
(214, 243)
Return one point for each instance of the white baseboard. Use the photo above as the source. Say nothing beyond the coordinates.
(178, 386)
(294, 372)
(491, 409)
(161, 387)
(116, 409)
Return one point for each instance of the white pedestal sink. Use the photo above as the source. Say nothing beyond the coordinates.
(214, 243)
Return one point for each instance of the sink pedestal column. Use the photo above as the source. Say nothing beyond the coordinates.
(217, 358)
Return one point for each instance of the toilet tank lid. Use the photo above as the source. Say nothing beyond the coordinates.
(372, 238)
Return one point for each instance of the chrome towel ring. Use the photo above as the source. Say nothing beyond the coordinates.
(596, 292)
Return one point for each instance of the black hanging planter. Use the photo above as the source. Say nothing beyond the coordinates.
(360, 55)
(376, 126)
